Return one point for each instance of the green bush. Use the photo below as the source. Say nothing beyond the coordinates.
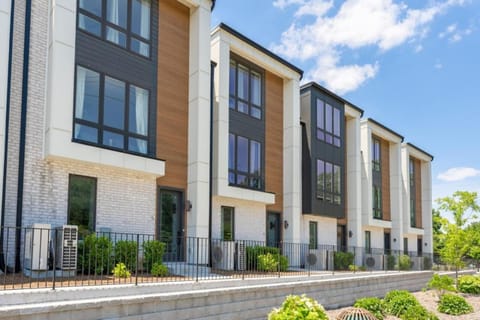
(469, 284)
(353, 267)
(418, 313)
(153, 251)
(372, 304)
(298, 308)
(126, 253)
(404, 262)
(159, 270)
(95, 255)
(341, 260)
(121, 271)
(441, 284)
(455, 305)
(270, 263)
(255, 251)
(390, 262)
(427, 263)
(397, 302)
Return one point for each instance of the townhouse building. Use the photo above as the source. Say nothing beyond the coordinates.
(131, 116)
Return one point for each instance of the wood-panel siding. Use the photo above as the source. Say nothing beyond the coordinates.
(418, 193)
(274, 139)
(385, 167)
(172, 94)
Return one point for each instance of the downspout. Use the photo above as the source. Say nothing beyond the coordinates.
(23, 129)
(210, 185)
(3, 266)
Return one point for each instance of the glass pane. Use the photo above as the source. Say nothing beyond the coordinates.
(231, 177)
(337, 179)
(242, 154)
(256, 182)
(82, 195)
(112, 139)
(242, 180)
(256, 112)
(320, 114)
(320, 135)
(114, 103)
(92, 6)
(231, 103)
(256, 88)
(86, 133)
(227, 224)
(138, 111)
(90, 25)
(233, 78)
(320, 178)
(242, 82)
(328, 138)
(336, 141)
(231, 151)
(140, 47)
(328, 118)
(329, 177)
(116, 37)
(141, 18)
(336, 122)
(137, 145)
(87, 94)
(117, 12)
(255, 157)
(242, 107)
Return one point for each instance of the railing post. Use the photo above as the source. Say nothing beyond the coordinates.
(196, 253)
(54, 241)
(278, 258)
(136, 264)
(246, 261)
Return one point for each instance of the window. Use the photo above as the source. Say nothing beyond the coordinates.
(82, 198)
(328, 123)
(125, 23)
(246, 89)
(411, 172)
(405, 245)
(313, 240)
(368, 242)
(245, 162)
(329, 177)
(228, 225)
(376, 155)
(377, 202)
(110, 112)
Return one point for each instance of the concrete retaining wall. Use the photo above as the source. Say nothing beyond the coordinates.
(234, 299)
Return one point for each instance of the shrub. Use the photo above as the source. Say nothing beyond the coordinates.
(299, 307)
(469, 284)
(390, 262)
(95, 255)
(455, 305)
(121, 271)
(353, 267)
(404, 262)
(255, 251)
(159, 270)
(427, 263)
(341, 260)
(441, 284)
(126, 253)
(372, 304)
(418, 313)
(397, 302)
(153, 251)
(274, 258)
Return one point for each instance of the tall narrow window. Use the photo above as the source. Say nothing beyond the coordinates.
(411, 169)
(377, 202)
(313, 240)
(376, 154)
(82, 198)
(368, 242)
(245, 162)
(320, 179)
(329, 177)
(328, 123)
(228, 225)
(405, 245)
(246, 89)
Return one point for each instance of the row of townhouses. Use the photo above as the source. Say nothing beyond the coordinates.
(134, 116)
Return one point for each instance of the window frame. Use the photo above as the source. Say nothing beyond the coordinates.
(69, 200)
(368, 241)
(326, 195)
(249, 176)
(405, 245)
(377, 202)
(232, 222)
(376, 155)
(313, 238)
(321, 131)
(413, 200)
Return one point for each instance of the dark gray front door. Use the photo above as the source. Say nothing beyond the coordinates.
(386, 242)
(273, 229)
(170, 226)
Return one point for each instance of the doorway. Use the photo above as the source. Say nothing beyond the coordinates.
(170, 224)
(386, 243)
(273, 229)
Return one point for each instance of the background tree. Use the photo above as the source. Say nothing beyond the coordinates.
(438, 232)
(462, 204)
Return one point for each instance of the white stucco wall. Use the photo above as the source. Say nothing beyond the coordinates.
(326, 230)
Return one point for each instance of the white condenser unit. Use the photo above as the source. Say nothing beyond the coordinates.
(241, 259)
(66, 247)
(37, 238)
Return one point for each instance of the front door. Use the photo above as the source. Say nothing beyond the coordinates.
(170, 226)
(341, 238)
(386, 243)
(273, 229)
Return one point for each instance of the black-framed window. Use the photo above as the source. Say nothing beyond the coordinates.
(376, 160)
(377, 202)
(405, 245)
(329, 177)
(125, 23)
(328, 123)
(368, 242)
(245, 162)
(411, 173)
(82, 202)
(110, 112)
(246, 89)
(228, 224)
(313, 235)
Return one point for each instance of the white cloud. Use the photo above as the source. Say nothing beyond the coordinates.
(453, 33)
(458, 174)
(356, 24)
(438, 65)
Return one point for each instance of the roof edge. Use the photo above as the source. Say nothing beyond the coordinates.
(386, 128)
(421, 150)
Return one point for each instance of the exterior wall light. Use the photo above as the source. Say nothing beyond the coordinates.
(350, 233)
(188, 205)
(285, 224)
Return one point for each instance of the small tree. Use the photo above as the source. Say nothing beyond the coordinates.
(456, 247)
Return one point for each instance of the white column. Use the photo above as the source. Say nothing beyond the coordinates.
(5, 12)
(426, 171)
(396, 195)
(292, 161)
(199, 121)
(354, 182)
(366, 145)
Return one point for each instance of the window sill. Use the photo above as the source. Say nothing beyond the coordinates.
(234, 192)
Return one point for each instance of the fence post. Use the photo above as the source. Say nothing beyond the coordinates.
(136, 264)
(278, 258)
(197, 252)
(54, 240)
(246, 261)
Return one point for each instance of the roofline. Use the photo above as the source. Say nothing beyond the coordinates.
(213, 5)
(257, 46)
(325, 90)
(386, 128)
(419, 149)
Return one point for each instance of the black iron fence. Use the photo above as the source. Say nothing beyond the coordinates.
(51, 258)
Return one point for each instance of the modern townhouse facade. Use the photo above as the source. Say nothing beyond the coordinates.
(132, 116)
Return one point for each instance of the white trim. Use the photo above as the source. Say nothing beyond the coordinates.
(381, 132)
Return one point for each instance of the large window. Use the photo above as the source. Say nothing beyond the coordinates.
(82, 198)
(313, 240)
(329, 177)
(377, 202)
(246, 89)
(245, 162)
(228, 224)
(328, 123)
(110, 112)
(376, 154)
(368, 242)
(405, 245)
(411, 167)
(125, 23)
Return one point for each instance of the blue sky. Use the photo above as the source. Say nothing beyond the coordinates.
(411, 65)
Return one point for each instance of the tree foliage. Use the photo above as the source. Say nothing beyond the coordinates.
(462, 204)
